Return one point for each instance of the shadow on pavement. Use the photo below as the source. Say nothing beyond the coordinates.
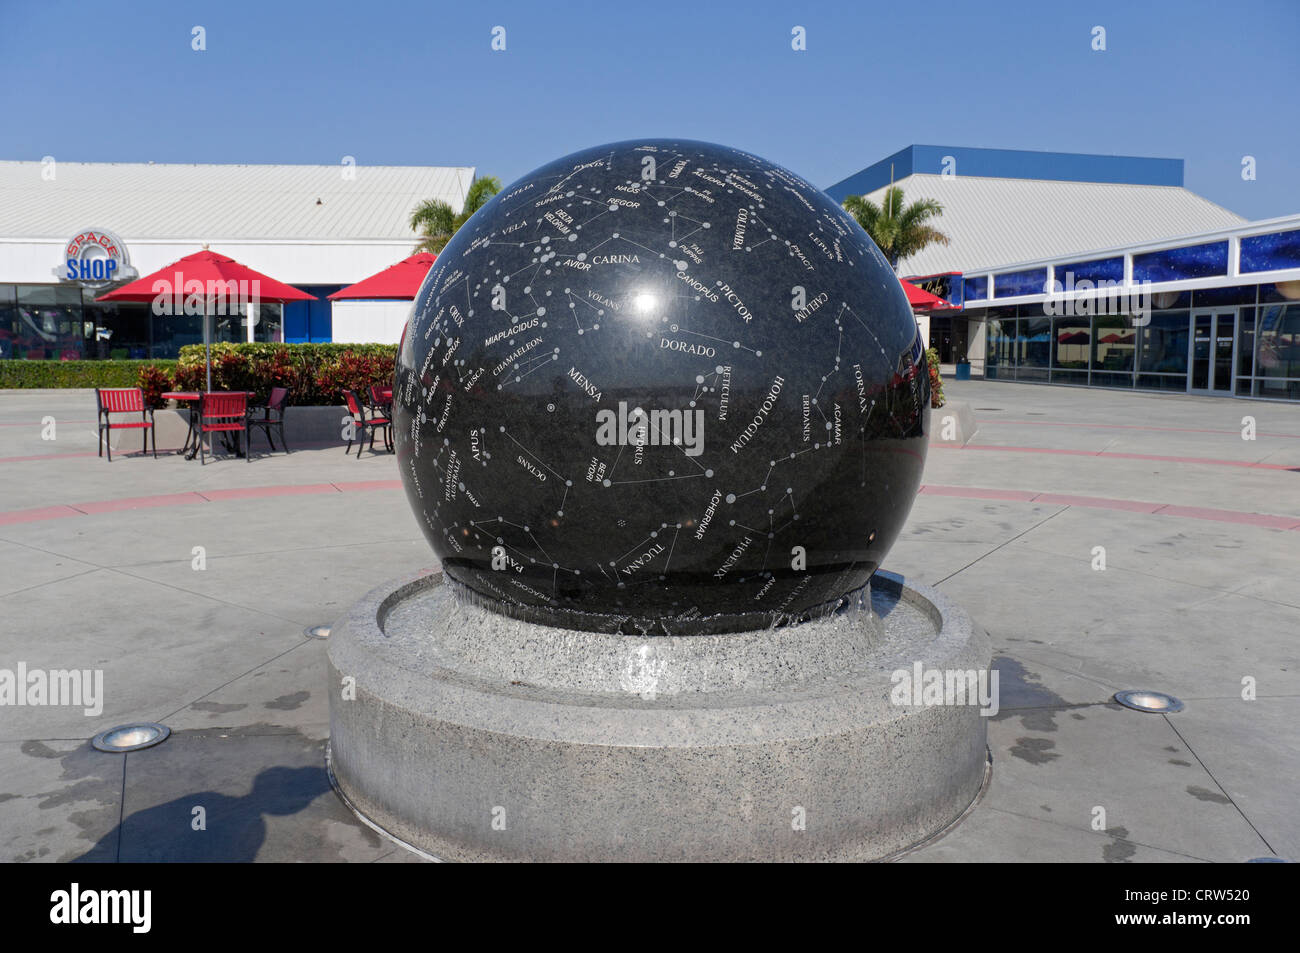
(235, 826)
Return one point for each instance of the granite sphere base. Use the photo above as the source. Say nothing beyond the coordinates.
(471, 735)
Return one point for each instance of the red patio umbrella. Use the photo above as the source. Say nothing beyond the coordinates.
(214, 273)
(922, 300)
(400, 281)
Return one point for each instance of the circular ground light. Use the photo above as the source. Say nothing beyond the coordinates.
(317, 631)
(125, 738)
(1268, 860)
(1157, 703)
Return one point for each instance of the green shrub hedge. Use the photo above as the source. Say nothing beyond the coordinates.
(50, 374)
(313, 373)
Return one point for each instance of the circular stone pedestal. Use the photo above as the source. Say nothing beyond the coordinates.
(471, 735)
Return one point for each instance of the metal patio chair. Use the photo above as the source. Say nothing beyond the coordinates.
(124, 400)
(224, 413)
(272, 416)
(361, 423)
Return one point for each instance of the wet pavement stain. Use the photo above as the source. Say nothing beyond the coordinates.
(1034, 750)
(1019, 688)
(37, 749)
(1204, 794)
(1077, 717)
(1039, 720)
(252, 779)
(1180, 762)
(217, 708)
(1118, 851)
(90, 795)
(8, 797)
(288, 702)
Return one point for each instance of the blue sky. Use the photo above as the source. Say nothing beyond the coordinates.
(416, 83)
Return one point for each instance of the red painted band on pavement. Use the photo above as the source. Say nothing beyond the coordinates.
(261, 492)
(136, 503)
(38, 514)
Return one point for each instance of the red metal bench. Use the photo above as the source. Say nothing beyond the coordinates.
(223, 413)
(124, 400)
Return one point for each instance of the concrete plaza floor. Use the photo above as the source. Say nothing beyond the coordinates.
(1198, 597)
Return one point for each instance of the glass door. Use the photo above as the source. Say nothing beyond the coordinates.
(1214, 334)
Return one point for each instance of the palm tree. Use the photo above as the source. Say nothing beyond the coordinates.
(439, 222)
(899, 230)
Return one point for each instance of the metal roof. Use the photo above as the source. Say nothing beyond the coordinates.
(994, 222)
(222, 202)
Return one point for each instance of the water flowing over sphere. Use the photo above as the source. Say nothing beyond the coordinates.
(661, 386)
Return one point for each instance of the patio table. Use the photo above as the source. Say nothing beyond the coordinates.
(192, 397)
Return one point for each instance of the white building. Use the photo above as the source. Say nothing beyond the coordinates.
(318, 228)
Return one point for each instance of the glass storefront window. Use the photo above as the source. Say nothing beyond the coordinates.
(1163, 345)
(1277, 350)
(171, 332)
(1277, 389)
(1114, 350)
(1176, 382)
(1071, 340)
(1245, 346)
(47, 323)
(1000, 359)
(1169, 300)
(1281, 292)
(115, 331)
(8, 320)
(1217, 297)
(268, 323)
(975, 289)
(1034, 343)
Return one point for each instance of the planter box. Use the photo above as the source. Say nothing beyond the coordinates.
(953, 424)
(303, 427)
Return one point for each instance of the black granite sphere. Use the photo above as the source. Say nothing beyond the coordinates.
(661, 386)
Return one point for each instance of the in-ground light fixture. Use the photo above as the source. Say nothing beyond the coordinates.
(135, 737)
(321, 631)
(1141, 699)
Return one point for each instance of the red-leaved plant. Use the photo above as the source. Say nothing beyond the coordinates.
(154, 381)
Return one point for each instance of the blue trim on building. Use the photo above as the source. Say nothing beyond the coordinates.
(310, 320)
(1010, 164)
